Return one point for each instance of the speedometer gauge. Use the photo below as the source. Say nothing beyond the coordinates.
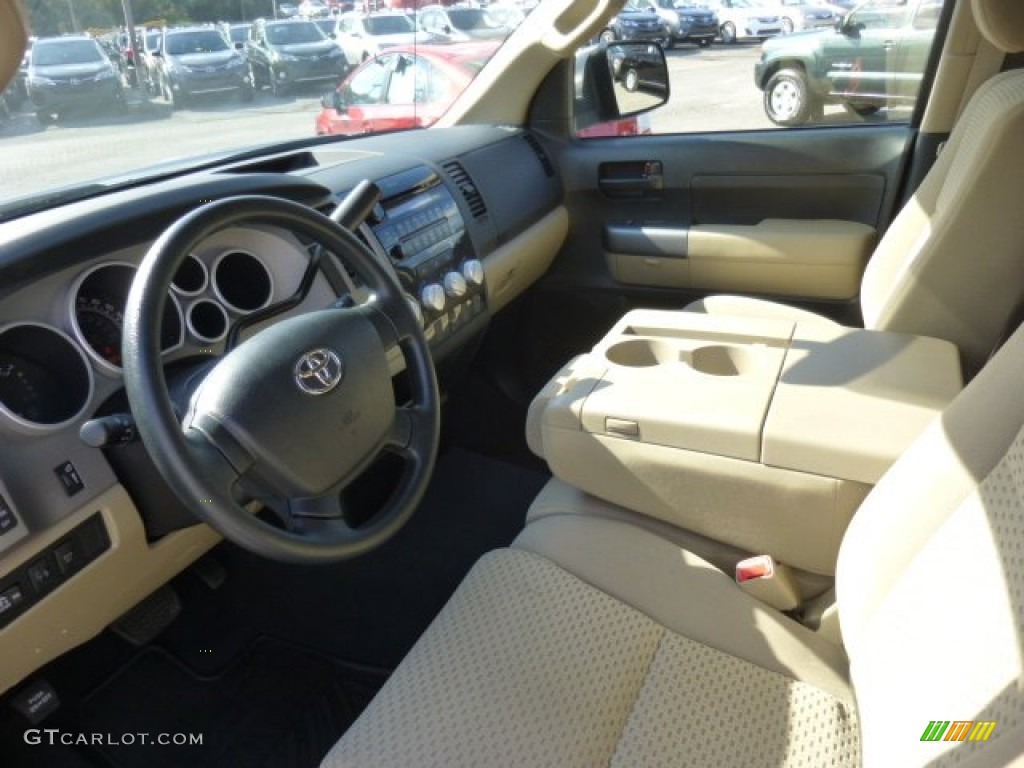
(97, 314)
(100, 322)
(19, 388)
(45, 381)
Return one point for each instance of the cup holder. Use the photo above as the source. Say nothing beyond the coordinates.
(642, 353)
(722, 360)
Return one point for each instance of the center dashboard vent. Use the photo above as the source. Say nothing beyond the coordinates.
(545, 161)
(461, 178)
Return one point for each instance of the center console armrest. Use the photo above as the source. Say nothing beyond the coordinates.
(756, 432)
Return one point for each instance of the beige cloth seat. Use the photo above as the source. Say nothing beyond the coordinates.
(592, 642)
(951, 265)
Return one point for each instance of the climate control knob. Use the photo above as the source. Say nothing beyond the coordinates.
(432, 297)
(454, 285)
(473, 271)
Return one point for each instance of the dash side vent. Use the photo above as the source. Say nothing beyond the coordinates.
(461, 178)
(545, 161)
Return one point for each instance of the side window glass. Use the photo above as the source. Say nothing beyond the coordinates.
(927, 16)
(882, 14)
(402, 86)
(369, 86)
(732, 68)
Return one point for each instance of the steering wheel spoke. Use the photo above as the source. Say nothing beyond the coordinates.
(405, 438)
(402, 317)
(296, 411)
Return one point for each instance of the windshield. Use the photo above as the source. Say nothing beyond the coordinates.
(326, 26)
(389, 25)
(201, 41)
(239, 33)
(290, 34)
(165, 115)
(66, 52)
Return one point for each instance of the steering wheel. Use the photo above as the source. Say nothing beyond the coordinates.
(295, 413)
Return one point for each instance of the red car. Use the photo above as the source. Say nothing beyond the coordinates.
(403, 87)
(412, 86)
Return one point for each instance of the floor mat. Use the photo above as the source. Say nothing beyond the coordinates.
(370, 609)
(276, 707)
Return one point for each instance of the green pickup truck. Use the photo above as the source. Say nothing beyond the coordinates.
(873, 58)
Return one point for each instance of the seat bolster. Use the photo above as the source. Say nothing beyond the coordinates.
(686, 595)
(742, 306)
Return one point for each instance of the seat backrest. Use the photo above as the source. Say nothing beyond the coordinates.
(930, 581)
(951, 265)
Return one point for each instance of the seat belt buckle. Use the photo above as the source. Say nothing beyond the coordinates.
(768, 581)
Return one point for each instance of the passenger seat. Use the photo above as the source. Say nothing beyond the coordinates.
(591, 641)
(951, 265)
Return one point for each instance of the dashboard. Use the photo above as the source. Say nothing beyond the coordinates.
(83, 514)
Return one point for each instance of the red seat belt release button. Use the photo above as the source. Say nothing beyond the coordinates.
(768, 581)
(759, 567)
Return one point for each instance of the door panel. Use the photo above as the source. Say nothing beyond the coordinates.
(844, 174)
(729, 198)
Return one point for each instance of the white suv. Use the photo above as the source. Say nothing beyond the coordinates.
(745, 20)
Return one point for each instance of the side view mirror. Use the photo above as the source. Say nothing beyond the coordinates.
(332, 100)
(849, 26)
(618, 80)
(157, 55)
(447, 29)
(239, 46)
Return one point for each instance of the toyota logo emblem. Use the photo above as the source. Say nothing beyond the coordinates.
(319, 371)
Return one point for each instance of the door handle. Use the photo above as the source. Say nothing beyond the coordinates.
(634, 179)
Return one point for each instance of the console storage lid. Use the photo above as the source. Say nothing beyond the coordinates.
(849, 401)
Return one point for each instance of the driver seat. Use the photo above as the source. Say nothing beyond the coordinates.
(591, 641)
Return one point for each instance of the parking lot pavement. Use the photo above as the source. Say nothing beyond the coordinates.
(84, 147)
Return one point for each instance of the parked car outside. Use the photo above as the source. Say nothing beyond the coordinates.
(363, 36)
(147, 70)
(16, 92)
(71, 73)
(313, 9)
(637, 21)
(460, 24)
(405, 87)
(506, 14)
(874, 59)
(412, 86)
(696, 24)
(745, 20)
(686, 23)
(196, 61)
(798, 15)
(287, 11)
(284, 54)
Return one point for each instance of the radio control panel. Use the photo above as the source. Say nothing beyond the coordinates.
(420, 227)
